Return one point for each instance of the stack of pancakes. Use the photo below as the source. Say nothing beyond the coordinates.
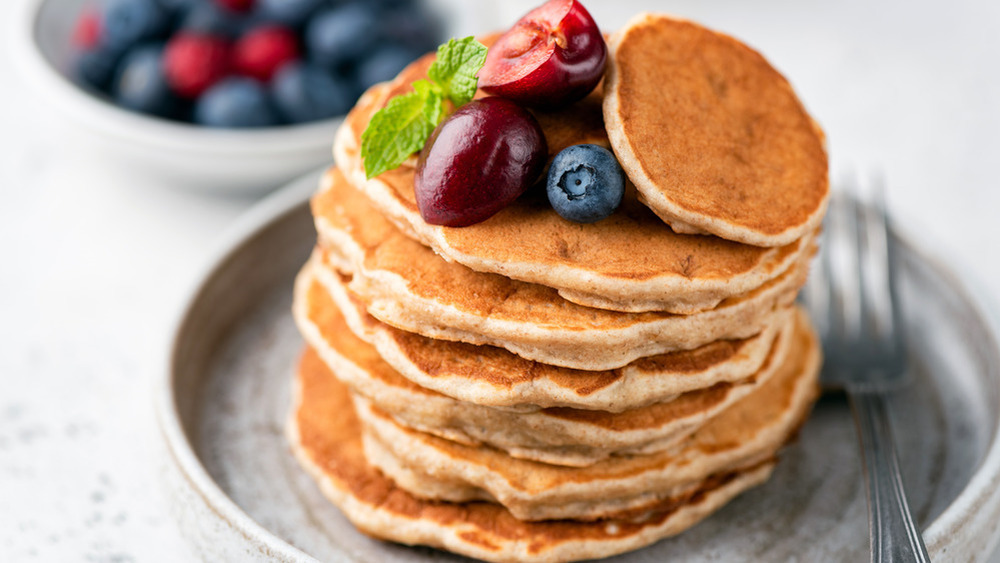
(528, 388)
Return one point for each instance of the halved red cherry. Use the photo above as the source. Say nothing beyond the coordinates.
(477, 162)
(552, 57)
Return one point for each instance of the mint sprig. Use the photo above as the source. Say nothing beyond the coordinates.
(455, 69)
(402, 127)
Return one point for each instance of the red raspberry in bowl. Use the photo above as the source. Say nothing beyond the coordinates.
(87, 32)
(264, 50)
(194, 62)
(236, 5)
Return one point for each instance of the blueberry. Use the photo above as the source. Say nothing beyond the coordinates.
(96, 67)
(342, 35)
(292, 13)
(384, 64)
(179, 6)
(210, 19)
(414, 27)
(303, 92)
(128, 22)
(585, 183)
(235, 102)
(141, 84)
(390, 4)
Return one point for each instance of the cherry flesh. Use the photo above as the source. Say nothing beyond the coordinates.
(551, 58)
(478, 161)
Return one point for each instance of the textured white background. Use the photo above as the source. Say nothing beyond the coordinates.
(94, 260)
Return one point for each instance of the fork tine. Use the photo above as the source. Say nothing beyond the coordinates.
(843, 267)
(871, 273)
(815, 295)
(853, 311)
(898, 326)
(877, 269)
(834, 320)
(893, 317)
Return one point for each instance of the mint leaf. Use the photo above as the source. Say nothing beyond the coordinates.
(433, 106)
(455, 69)
(401, 128)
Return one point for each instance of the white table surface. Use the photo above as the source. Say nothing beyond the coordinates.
(95, 260)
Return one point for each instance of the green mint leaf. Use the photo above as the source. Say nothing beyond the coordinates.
(455, 69)
(401, 128)
(404, 124)
(433, 106)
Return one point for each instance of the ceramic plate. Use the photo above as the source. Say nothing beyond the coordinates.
(240, 495)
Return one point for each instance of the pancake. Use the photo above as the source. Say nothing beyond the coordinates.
(573, 337)
(561, 436)
(712, 136)
(747, 433)
(596, 264)
(492, 376)
(427, 487)
(325, 436)
(406, 285)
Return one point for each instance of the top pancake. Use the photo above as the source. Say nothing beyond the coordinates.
(711, 134)
(629, 262)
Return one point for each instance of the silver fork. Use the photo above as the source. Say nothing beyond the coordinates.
(853, 297)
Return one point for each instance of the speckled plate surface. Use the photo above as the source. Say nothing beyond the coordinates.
(239, 494)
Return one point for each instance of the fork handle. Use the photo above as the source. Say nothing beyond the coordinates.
(894, 536)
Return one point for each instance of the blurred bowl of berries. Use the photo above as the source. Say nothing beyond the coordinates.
(227, 96)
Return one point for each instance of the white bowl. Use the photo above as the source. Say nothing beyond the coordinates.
(244, 161)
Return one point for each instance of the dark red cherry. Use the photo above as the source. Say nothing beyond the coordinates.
(551, 58)
(478, 161)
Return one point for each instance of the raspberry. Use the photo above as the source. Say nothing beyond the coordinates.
(262, 51)
(236, 5)
(194, 62)
(87, 32)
